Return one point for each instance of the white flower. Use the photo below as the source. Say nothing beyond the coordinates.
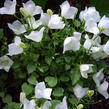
(85, 69)
(33, 23)
(9, 7)
(72, 43)
(47, 105)
(106, 48)
(90, 14)
(98, 77)
(56, 22)
(42, 92)
(15, 48)
(79, 91)
(62, 105)
(36, 35)
(91, 26)
(5, 63)
(104, 24)
(67, 11)
(45, 18)
(22, 97)
(29, 104)
(17, 27)
(102, 89)
(31, 9)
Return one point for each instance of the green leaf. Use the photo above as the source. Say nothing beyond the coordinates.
(27, 89)
(76, 23)
(75, 75)
(7, 99)
(64, 78)
(67, 67)
(2, 94)
(31, 67)
(1, 33)
(54, 103)
(52, 81)
(32, 80)
(58, 92)
(48, 60)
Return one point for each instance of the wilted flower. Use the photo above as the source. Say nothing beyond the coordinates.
(90, 14)
(98, 77)
(85, 69)
(15, 48)
(9, 7)
(17, 27)
(29, 9)
(42, 92)
(72, 43)
(104, 23)
(5, 63)
(67, 11)
(79, 91)
(62, 105)
(91, 26)
(47, 105)
(102, 89)
(36, 35)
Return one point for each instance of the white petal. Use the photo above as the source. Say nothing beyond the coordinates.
(17, 40)
(9, 7)
(102, 89)
(36, 35)
(91, 26)
(45, 18)
(5, 63)
(56, 22)
(17, 27)
(47, 93)
(79, 91)
(67, 11)
(106, 48)
(62, 105)
(98, 77)
(47, 105)
(22, 97)
(104, 23)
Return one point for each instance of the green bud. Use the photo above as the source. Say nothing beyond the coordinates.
(22, 45)
(50, 12)
(101, 29)
(90, 93)
(80, 106)
(24, 12)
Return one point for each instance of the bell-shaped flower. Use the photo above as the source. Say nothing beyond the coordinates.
(68, 11)
(85, 69)
(9, 7)
(106, 48)
(104, 25)
(33, 23)
(79, 91)
(45, 18)
(30, 9)
(62, 105)
(90, 14)
(102, 89)
(47, 105)
(72, 43)
(56, 22)
(36, 35)
(98, 77)
(41, 91)
(17, 27)
(29, 104)
(15, 48)
(91, 26)
(5, 63)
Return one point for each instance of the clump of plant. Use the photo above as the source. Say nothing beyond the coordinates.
(64, 52)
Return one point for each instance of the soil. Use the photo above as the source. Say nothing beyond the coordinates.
(54, 5)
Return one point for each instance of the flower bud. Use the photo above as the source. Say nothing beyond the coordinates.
(50, 12)
(90, 93)
(22, 45)
(22, 97)
(80, 106)
(24, 12)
